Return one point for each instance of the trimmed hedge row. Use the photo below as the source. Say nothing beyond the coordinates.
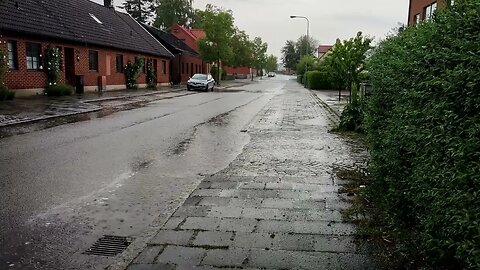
(59, 90)
(423, 128)
(318, 80)
(6, 94)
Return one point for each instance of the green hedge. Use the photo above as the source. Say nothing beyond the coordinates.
(423, 128)
(59, 90)
(319, 80)
(6, 94)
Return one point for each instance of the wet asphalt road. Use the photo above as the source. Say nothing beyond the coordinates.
(62, 188)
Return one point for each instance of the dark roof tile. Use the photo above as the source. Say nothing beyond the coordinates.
(73, 20)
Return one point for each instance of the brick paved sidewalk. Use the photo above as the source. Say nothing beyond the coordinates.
(276, 206)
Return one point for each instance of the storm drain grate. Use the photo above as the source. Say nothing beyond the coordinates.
(109, 245)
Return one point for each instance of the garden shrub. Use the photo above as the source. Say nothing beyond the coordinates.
(423, 128)
(318, 80)
(6, 94)
(214, 73)
(59, 90)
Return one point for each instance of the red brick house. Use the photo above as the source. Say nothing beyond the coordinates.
(190, 37)
(95, 43)
(323, 50)
(186, 62)
(420, 10)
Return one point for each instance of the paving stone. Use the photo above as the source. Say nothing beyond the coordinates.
(182, 255)
(298, 242)
(213, 239)
(253, 240)
(148, 255)
(173, 223)
(206, 192)
(204, 184)
(225, 185)
(306, 227)
(192, 201)
(262, 213)
(157, 266)
(215, 201)
(252, 185)
(229, 257)
(344, 244)
(308, 180)
(248, 193)
(326, 215)
(201, 223)
(192, 211)
(225, 212)
(252, 202)
(237, 225)
(337, 204)
(293, 204)
(172, 237)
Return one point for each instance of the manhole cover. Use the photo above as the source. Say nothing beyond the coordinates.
(109, 245)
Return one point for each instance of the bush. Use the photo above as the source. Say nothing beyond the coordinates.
(59, 90)
(352, 118)
(318, 80)
(5, 94)
(214, 73)
(300, 78)
(423, 128)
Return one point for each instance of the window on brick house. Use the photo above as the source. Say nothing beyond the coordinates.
(451, 2)
(93, 60)
(183, 68)
(416, 19)
(12, 54)
(119, 63)
(191, 68)
(33, 56)
(164, 67)
(142, 67)
(186, 64)
(429, 10)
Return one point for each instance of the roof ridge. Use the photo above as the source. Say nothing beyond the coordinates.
(145, 30)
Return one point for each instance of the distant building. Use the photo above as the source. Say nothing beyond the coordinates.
(95, 44)
(420, 10)
(186, 62)
(323, 50)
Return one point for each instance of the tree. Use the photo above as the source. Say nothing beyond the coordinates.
(218, 26)
(243, 48)
(140, 10)
(347, 59)
(307, 61)
(290, 57)
(169, 12)
(259, 54)
(271, 63)
(305, 46)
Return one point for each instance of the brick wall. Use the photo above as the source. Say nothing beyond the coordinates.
(181, 34)
(35, 79)
(237, 70)
(417, 7)
(188, 60)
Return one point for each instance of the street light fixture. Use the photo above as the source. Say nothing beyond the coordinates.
(308, 38)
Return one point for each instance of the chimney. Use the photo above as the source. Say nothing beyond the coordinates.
(108, 3)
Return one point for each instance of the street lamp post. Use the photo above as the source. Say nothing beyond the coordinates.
(308, 39)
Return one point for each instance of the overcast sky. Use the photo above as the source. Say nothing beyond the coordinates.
(329, 20)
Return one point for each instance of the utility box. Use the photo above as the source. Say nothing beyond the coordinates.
(102, 83)
(79, 84)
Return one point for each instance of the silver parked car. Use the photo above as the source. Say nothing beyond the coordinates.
(201, 82)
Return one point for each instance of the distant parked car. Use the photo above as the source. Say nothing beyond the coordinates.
(201, 82)
(272, 74)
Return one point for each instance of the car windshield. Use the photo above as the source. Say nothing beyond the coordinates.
(202, 77)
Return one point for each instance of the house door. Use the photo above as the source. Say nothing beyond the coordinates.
(70, 66)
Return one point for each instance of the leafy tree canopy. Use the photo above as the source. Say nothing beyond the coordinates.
(169, 12)
(140, 10)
